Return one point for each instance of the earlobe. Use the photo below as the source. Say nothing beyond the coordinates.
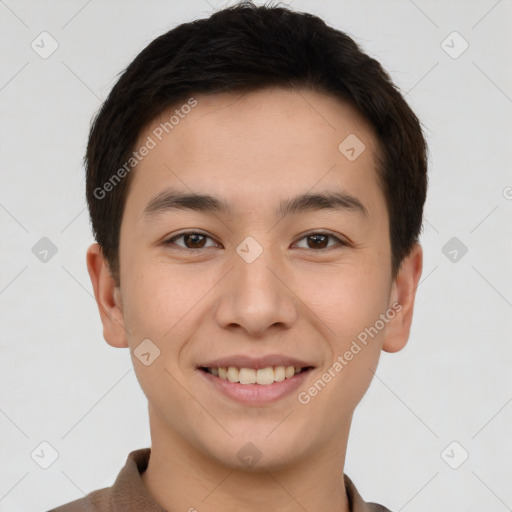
(108, 297)
(403, 295)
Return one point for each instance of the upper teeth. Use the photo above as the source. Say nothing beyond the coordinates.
(262, 376)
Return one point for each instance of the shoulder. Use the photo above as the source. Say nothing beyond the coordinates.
(356, 502)
(375, 507)
(96, 501)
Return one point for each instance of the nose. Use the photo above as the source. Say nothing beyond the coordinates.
(255, 297)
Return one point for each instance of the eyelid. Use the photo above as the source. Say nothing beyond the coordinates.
(340, 241)
(170, 240)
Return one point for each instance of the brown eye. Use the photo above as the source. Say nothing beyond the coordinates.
(321, 241)
(191, 240)
(318, 241)
(194, 241)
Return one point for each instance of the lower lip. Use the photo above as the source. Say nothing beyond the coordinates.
(257, 394)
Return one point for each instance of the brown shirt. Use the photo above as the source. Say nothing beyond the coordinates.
(129, 494)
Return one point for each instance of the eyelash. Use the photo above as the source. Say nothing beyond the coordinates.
(170, 241)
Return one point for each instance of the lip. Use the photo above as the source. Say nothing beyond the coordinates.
(256, 394)
(257, 363)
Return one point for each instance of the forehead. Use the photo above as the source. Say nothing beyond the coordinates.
(257, 146)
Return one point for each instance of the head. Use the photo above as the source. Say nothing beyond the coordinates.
(243, 113)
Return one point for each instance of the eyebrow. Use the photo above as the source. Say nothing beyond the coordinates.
(330, 200)
(169, 200)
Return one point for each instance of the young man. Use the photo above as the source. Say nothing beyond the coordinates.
(256, 186)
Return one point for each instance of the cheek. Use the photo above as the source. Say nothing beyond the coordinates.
(360, 329)
(352, 310)
(347, 299)
(155, 297)
(155, 318)
(350, 303)
(146, 308)
(163, 303)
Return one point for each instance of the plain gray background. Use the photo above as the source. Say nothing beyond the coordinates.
(62, 384)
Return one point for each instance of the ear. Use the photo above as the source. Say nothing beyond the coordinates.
(108, 297)
(402, 295)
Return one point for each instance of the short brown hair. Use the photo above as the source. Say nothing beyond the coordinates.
(246, 48)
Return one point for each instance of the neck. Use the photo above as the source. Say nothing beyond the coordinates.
(182, 478)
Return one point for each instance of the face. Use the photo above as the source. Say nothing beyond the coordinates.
(287, 263)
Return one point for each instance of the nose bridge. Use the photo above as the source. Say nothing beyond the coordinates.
(253, 296)
(254, 277)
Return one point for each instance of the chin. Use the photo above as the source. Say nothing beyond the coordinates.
(257, 450)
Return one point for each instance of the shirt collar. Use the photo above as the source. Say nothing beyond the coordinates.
(130, 494)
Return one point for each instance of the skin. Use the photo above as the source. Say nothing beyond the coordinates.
(197, 304)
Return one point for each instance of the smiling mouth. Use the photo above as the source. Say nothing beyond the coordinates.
(262, 376)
